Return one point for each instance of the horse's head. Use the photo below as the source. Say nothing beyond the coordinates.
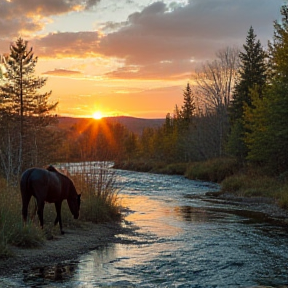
(74, 204)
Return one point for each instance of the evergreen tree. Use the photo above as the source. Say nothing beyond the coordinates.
(188, 108)
(252, 75)
(23, 107)
(268, 140)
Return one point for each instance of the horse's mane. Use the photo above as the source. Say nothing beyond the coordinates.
(51, 168)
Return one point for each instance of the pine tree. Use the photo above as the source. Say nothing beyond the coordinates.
(268, 140)
(23, 107)
(188, 108)
(252, 75)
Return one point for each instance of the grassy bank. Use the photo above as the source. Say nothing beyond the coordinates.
(99, 203)
(251, 184)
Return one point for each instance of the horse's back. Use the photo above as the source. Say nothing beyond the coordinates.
(40, 183)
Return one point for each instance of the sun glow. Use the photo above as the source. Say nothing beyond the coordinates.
(97, 115)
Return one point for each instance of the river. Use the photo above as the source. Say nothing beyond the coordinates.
(182, 240)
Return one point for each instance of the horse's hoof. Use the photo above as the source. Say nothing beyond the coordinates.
(62, 232)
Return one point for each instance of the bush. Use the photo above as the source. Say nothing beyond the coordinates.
(282, 196)
(251, 185)
(97, 184)
(214, 170)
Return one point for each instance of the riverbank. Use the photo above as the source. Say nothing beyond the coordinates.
(263, 209)
(67, 247)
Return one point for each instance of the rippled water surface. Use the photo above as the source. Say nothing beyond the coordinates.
(183, 240)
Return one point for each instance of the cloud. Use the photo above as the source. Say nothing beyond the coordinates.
(20, 16)
(62, 72)
(196, 30)
(67, 44)
(162, 41)
(158, 35)
(164, 70)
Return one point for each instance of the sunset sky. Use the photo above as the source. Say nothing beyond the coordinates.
(128, 57)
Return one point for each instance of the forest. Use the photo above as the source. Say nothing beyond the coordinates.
(235, 107)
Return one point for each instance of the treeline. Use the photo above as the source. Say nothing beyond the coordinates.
(236, 107)
(90, 140)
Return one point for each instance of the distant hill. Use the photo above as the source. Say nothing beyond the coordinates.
(133, 124)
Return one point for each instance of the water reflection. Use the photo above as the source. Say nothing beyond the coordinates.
(150, 215)
(44, 275)
(193, 214)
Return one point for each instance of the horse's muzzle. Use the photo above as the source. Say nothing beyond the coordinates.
(76, 216)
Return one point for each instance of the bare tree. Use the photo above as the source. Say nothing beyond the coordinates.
(216, 79)
(215, 84)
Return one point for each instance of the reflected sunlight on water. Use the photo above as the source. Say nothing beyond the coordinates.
(153, 216)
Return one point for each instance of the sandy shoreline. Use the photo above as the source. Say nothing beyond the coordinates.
(67, 247)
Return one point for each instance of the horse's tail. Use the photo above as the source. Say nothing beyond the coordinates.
(26, 192)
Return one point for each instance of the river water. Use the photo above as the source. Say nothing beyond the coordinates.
(183, 240)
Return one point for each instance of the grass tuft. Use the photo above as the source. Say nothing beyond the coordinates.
(251, 185)
(28, 236)
(99, 193)
(214, 170)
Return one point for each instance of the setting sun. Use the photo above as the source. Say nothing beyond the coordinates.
(97, 115)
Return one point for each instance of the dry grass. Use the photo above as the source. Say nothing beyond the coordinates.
(214, 170)
(99, 193)
(11, 226)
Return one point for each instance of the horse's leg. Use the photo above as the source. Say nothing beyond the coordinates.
(40, 210)
(25, 204)
(58, 217)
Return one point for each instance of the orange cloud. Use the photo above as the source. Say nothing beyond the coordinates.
(68, 44)
(62, 72)
(17, 16)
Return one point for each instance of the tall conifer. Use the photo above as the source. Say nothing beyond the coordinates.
(252, 75)
(268, 143)
(23, 107)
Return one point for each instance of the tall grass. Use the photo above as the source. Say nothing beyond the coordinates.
(214, 170)
(99, 193)
(12, 231)
(251, 185)
(254, 183)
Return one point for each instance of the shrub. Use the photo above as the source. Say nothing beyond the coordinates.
(251, 185)
(282, 196)
(214, 170)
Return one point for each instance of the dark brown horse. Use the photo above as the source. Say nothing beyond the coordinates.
(48, 185)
